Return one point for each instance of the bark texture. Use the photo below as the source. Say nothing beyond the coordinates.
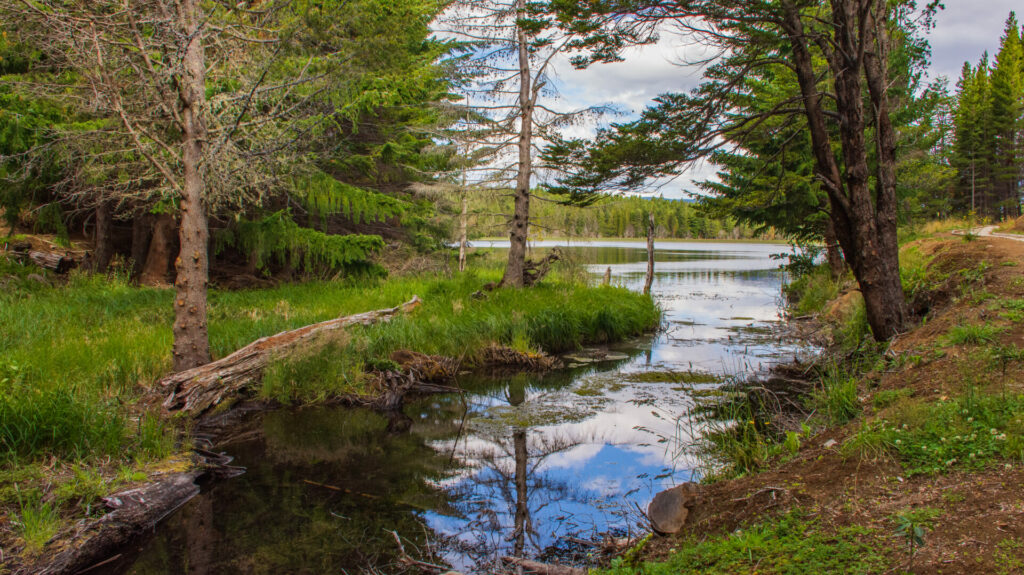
(520, 227)
(650, 254)
(135, 511)
(833, 253)
(142, 228)
(158, 253)
(191, 340)
(103, 248)
(864, 222)
(201, 388)
(463, 231)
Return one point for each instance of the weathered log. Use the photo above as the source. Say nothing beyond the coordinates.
(543, 568)
(59, 263)
(197, 390)
(135, 511)
(534, 271)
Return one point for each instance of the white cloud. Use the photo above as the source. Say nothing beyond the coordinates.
(966, 29)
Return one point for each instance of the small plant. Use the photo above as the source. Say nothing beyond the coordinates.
(973, 334)
(836, 396)
(83, 489)
(953, 496)
(888, 397)
(792, 442)
(912, 525)
(1009, 556)
(36, 523)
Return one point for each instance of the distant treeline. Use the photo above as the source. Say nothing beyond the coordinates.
(621, 217)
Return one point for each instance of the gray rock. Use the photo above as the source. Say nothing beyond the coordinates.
(670, 508)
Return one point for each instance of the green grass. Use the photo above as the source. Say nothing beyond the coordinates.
(73, 357)
(835, 396)
(36, 523)
(810, 293)
(972, 432)
(973, 334)
(793, 544)
(452, 323)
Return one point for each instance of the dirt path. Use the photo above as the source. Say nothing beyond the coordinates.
(989, 232)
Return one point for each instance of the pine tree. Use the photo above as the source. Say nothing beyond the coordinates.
(1007, 121)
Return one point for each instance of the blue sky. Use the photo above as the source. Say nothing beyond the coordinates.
(964, 30)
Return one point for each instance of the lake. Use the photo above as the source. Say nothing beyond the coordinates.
(519, 464)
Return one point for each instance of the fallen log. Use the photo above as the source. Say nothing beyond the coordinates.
(134, 511)
(60, 263)
(197, 390)
(543, 568)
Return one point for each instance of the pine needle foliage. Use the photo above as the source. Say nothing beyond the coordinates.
(325, 196)
(277, 238)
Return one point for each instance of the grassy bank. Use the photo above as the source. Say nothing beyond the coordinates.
(906, 457)
(75, 359)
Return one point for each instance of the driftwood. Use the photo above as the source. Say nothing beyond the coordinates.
(60, 263)
(534, 271)
(543, 568)
(198, 389)
(134, 512)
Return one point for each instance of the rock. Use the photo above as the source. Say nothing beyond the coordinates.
(670, 508)
(830, 444)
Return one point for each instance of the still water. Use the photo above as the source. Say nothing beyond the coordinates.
(522, 465)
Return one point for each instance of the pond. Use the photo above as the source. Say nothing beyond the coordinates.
(523, 464)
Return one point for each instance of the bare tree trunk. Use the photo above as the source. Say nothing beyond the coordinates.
(520, 227)
(463, 230)
(102, 246)
(833, 253)
(158, 258)
(142, 227)
(191, 340)
(650, 253)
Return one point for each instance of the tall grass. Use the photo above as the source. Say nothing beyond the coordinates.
(71, 356)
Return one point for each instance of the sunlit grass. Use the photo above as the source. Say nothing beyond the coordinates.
(74, 358)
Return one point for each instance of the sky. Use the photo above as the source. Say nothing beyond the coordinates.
(964, 30)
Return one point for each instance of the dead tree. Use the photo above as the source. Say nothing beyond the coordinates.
(508, 101)
(197, 390)
(146, 66)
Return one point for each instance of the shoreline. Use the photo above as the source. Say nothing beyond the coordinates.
(60, 553)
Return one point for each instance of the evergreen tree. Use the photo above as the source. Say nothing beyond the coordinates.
(1007, 114)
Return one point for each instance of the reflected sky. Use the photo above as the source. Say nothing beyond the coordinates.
(517, 465)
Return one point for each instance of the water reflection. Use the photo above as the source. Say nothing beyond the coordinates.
(517, 465)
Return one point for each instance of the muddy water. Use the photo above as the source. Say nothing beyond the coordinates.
(520, 465)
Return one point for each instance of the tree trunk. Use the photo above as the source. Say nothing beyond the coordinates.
(103, 249)
(191, 340)
(865, 230)
(520, 227)
(650, 253)
(154, 272)
(142, 227)
(833, 253)
(463, 231)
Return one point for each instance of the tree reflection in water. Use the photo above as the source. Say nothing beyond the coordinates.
(508, 501)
